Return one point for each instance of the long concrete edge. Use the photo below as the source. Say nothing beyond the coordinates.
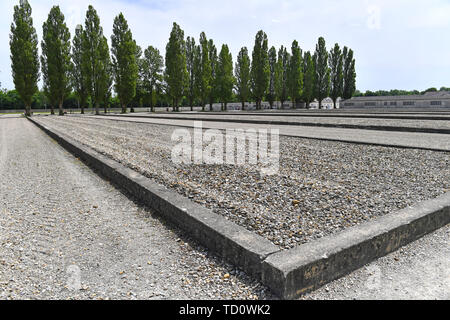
(300, 124)
(368, 143)
(291, 273)
(234, 243)
(310, 266)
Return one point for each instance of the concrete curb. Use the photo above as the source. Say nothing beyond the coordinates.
(289, 273)
(301, 124)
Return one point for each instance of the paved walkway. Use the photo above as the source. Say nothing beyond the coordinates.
(67, 233)
(429, 141)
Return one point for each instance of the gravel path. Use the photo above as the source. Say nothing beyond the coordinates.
(67, 234)
(322, 186)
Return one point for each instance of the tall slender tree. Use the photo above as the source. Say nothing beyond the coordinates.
(271, 92)
(204, 71)
(214, 61)
(322, 87)
(190, 64)
(260, 70)
(337, 74)
(295, 74)
(55, 59)
(349, 73)
(24, 54)
(309, 70)
(225, 78)
(95, 58)
(125, 63)
(281, 75)
(78, 76)
(152, 68)
(176, 73)
(242, 73)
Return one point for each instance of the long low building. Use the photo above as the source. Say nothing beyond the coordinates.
(438, 99)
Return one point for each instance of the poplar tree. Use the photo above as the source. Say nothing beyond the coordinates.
(308, 78)
(176, 72)
(125, 63)
(214, 61)
(190, 65)
(271, 92)
(322, 87)
(260, 71)
(24, 54)
(78, 76)
(55, 59)
(225, 78)
(95, 58)
(295, 74)
(242, 73)
(152, 72)
(281, 75)
(204, 71)
(349, 73)
(337, 75)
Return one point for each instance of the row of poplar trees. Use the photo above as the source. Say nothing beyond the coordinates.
(198, 73)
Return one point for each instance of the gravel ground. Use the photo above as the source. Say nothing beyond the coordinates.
(433, 124)
(322, 186)
(67, 234)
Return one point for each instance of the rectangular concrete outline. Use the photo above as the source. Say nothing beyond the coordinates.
(301, 124)
(291, 273)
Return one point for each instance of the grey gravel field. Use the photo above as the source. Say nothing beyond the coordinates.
(65, 233)
(321, 188)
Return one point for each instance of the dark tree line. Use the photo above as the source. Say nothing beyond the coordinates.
(86, 68)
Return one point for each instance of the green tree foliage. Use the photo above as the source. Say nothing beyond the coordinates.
(225, 78)
(152, 69)
(24, 54)
(260, 71)
(349, 73)
(125, 64)
(337, 74)
(322, 86)
(204, 71)
(295, 74)
(55, 59)
(271, 92)
(78, 76)
(242, 73)
(190, 65)
(281, 75)
(176, 73)
(96, 59)
(309, 70)
(214, 62)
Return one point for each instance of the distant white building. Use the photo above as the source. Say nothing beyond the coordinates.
(437, 99)
(327, 103)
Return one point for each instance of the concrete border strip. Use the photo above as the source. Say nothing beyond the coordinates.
(287, 273)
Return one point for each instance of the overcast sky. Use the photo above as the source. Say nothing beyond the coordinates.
(398, 44)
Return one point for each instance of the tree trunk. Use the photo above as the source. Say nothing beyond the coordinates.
(243, 105)
(28, 111)
(52, 110)
(97, 111)
(82, 110)
(124, 108)
(61, 111)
